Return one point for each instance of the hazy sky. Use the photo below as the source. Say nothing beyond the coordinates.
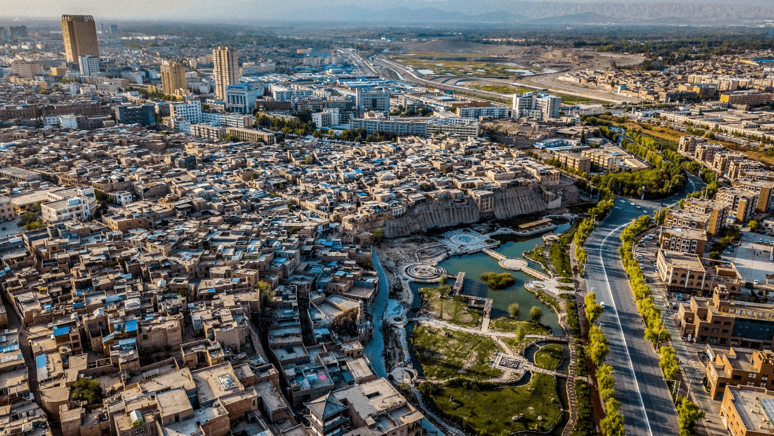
(252, 9)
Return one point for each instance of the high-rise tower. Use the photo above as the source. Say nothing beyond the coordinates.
(173, 77)
(80, 37)
(226, 69)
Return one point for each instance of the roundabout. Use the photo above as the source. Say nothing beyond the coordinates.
(424, 273)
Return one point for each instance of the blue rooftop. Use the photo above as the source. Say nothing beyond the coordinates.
(59, 331)
(40, 361)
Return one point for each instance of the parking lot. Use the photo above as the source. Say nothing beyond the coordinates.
(753, 258)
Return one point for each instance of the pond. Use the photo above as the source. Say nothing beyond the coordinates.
(476, 264)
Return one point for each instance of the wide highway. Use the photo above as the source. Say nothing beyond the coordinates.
(646, 403)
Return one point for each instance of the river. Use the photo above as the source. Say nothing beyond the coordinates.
(375, 348)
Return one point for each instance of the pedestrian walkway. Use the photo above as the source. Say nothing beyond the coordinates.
(512, 264)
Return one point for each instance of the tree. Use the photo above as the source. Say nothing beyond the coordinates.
(688, 414)
(521, 332)
(498, 281)
(754, 225)
(426, 388)
(593, 310)
(345, 323)
(513, 310)
(613, 424)
(309, 160)
(88, 390)
(535, 314)
(598, 347)
(668, 363)
(378, 236)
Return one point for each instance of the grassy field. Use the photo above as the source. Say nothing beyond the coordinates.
(511, 325)
(502, 89)
(447, 354)
(574, 99)
(559, 254)
(442, 65)
(549, 357)
(537, 255)
(491, 412)
(453, 310)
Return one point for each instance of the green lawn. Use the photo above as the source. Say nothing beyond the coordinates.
(559, 254)
(452, 65)
(502, 89)
(549, 357)
(450, 309)
(491, 412)
(511, 325)
(537, 255)
(445, 354)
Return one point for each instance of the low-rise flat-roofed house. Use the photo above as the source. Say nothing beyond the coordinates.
(720, 320)
(738, 367)
(688, 272)
(748, 411)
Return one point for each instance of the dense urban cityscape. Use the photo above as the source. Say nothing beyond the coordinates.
(227, 229)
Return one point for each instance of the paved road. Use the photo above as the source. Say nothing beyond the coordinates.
(645, 400)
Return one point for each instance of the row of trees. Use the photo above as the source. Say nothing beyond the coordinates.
(597, 350)
(597, 212)
(296, 127)
(688, 413)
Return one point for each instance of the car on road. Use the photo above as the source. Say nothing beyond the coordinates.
(755, 282)
(726, 252)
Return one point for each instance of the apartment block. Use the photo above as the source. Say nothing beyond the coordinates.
(251, 135)
(721, 320)
(689, 272)
(738, 367)
(574, 161)
(682, 239)
(741, 203)
(762, 188)
(716, 212)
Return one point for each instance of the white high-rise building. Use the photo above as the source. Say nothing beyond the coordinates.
(376, 100)
(190, 110)
(89, 65)
(326, 118)
(537, 105)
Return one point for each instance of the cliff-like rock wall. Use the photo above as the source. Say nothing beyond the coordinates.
(507, 203)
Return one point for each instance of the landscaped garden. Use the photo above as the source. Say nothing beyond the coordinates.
(502, 410)
(454, 310)
(549, 356)
(445, 354)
